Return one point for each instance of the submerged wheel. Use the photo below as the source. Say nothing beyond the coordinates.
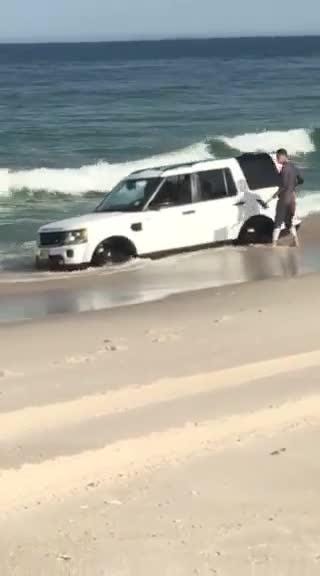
(113, 251)
(257, 230)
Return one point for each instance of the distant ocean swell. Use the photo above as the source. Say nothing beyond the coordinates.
(102, 176)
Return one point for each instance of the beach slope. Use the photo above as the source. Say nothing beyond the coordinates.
(172, 438)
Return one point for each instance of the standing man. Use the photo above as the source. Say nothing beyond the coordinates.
(286, 206)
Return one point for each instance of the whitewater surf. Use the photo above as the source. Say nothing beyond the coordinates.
(103, 176)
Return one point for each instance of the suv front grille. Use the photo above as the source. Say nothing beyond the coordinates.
(52, 238)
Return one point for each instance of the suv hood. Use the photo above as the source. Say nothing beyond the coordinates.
(78, 222)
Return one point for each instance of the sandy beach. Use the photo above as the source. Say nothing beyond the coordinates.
(175, 437)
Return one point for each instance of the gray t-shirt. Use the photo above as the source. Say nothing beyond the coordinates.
(289, 176)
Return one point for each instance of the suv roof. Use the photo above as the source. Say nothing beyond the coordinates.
(182, 168)
(257, 162)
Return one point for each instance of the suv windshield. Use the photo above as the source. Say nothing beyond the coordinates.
(129, 196)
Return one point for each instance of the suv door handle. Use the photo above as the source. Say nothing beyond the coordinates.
(240, 203)
(188, 212)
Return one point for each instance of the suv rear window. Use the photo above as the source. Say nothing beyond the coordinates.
(259, 170)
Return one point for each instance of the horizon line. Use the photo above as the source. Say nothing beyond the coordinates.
(9, 42)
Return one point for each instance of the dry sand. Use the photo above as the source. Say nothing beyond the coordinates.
(172, 438)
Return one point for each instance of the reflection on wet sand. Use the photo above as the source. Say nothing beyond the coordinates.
(152, 280)
(267, 263)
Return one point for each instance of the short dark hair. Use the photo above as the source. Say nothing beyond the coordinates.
(282, 152)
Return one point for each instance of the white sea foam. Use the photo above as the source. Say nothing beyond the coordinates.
(309, 203)
(295, 141)
(103, 176)
(99, 177)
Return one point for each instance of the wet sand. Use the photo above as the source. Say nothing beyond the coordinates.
(173, 437)
(32, 295)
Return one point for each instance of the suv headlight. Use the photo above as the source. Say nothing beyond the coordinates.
(76, 236)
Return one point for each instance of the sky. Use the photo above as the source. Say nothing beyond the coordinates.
(50, 20)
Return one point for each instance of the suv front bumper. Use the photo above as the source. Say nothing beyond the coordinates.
(71, 256)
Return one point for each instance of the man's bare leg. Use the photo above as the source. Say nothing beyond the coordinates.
(294, 234)
(275, 237)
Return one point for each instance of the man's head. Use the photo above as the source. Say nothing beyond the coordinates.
(282, 156)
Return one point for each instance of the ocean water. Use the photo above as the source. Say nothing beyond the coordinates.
(76, 118)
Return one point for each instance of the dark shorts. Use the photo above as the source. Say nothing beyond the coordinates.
(285, 214)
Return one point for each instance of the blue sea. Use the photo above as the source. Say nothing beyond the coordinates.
(76, 118)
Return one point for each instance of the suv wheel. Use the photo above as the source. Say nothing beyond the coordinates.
(110, 253)
(256, 231)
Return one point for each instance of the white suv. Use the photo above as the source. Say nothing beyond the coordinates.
(168, 209)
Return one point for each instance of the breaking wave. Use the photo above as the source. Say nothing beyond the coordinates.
(102, 176)
(99, 177)
(295, 141)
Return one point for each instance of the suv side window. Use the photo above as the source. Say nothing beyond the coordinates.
(175, 191)
(215, 184)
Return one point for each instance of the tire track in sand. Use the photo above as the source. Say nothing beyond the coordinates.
(38, 419)
(67, 476)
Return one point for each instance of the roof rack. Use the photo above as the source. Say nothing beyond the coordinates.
(163, 169)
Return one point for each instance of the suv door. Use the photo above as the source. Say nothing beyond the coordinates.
(218, 206)
(169, 217)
